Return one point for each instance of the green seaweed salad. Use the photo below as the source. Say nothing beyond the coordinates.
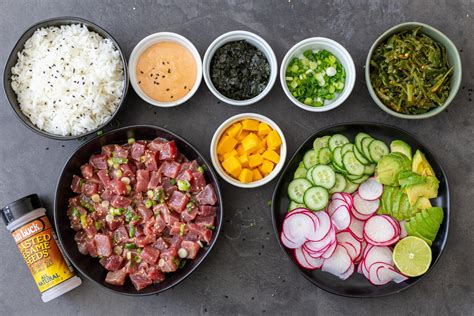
(410, 72)
(315, 77)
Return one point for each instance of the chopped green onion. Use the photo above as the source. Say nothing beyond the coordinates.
(183, 185)
(131, 140)
(181, 229)
(131, 231)
(87, 206)
(211, 227)
(75, 212)
(150, 194)
(84, 221)
(118, 173)
(173, 181)
(98, 225)
(182, 263)
(148, 203)
(129, 255)
(190, 207)
(130, 245)
(116, 160)
(200, 169)
(129, 215)
(99, 133)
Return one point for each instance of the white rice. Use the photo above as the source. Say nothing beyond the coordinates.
(68, 80)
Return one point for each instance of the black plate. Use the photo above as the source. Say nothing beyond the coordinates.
(90, 267)
(357, 285)
(12, 59)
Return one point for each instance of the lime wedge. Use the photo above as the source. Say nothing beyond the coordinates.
(412, 256)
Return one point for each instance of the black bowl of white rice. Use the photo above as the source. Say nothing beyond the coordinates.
(66, 78)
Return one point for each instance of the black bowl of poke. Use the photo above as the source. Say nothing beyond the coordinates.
(137, 209)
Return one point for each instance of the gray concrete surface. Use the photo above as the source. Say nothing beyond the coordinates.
(247, 273)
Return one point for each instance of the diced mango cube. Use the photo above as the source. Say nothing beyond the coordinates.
(244, 160)
(256, 175)
(266, 167)
(240, 149)
(241, 135)
(232, 166)
(255, 160)
(250, 125)
(271, 155)
(231, 153)
(263, 143)
(273, 140)
(221, 158)
(263, 129)
(234, 130)
(261, 150)
(226, 144)
(245, 175)
(251, 143)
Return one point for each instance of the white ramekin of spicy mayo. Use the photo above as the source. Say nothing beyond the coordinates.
(33, 234)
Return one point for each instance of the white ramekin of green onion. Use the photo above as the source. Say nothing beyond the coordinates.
(317, 74)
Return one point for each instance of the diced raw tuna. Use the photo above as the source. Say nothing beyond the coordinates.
(103, 244)
(191, 247)
(170, 169)
(76, 184)
(120, 235)
(116, 277)
(185, 175)
(87, 171)
(89, 188)
(203, 233)
(91, 248)
(143, 240)
(207, 210)
(161, 244)
(150, 254)
(151, 160)
(140, 279)
(190, 165)
(198, 183)
(104, 177)
(107, 150)
(207, 196)
(120, 152)
(117, 187)
(159, 225)
(143, 178)
(90, 227)
(112, 263)
(205, 221)
(99, 161)
(119, 201)
(128, 170)
(115, 223)
(145, 213)
(156, 275)
(156, 144)
(155, 179)
(168, 151)
(176, 229)
(178, 201)
(137, 150)
(189, 214)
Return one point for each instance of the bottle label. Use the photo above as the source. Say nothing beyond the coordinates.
(37, 243)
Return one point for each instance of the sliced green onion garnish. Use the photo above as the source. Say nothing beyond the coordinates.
(183, 185)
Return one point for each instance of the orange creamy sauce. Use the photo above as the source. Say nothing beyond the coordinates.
(166, 71)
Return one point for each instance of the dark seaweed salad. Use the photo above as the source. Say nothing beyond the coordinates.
(410, 72)
(239, 70)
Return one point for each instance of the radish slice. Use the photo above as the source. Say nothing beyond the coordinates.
(349, 199)
(338, 263)
(335, 204)
(323, 228)
(378, 229)
(330, 251)
(322, 245)
(314, 262)
(396, 276)
(362, 250)
(365, 207)
(360, 216)
(298, 226)
(378, 273)
(403, 231)
(378, 254)
(347, 273)
(352, 245)
(287, 243)
(300, 258)
(370, 190)
(341, 218)
(357, 228)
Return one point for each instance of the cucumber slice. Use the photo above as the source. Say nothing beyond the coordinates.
(365, 148)
(358, 140)
(323, 176)
(293, 205)
(351, 187)
(337, 140)
(321, 142)
(361, 179)
(361, 157)
(352, 165)
(297, 188)
(346, 148)
(340, 184)
(309, 175)
(369, 170)
(339, 169)
(337, 156)
(310, 158)
(324, 156)
(300, 173)
(401, 147)
(316, 198)
(378, 149)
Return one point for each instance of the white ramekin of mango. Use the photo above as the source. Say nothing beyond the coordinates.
(248, 150)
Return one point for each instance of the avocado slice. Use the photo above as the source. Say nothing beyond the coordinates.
(436, 213)
(413, 232)
(428, 189)
(389, 167)
(423, 227)
(405, 210)
(423, 203)
(388, 198)
(427, 217)
(396, 198)
(401, 147)
(421, 166)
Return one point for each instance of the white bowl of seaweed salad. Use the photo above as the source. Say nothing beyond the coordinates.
(240, 68)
